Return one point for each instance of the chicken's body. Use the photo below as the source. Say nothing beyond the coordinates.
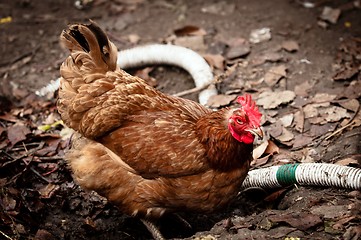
(147, 152)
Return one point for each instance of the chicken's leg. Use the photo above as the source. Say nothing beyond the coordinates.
(153, 229)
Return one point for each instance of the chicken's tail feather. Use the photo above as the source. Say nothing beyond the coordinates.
(92, 40)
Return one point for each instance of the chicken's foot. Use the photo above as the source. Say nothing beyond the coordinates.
(153, 229)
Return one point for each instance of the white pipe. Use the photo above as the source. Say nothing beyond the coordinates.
(306, 174)
(179, 56)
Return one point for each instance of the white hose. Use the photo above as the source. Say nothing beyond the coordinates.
(307, 174)
(179, 56)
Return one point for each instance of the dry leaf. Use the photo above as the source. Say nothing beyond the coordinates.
(317, 130)
(299, 121)
(215, 60)
(301, 140)
(17, 133)
(48, 190)
(352, 105)
(267, 57)
(276, 129)
(329, 211)
(310, 111)
(272, 148)
(303, 89)
(323, 98)
(274, 74)
(347, 162)
(290, 46)
(259, 150)
(270, 100)
(331, 114)
(345, 74)
(286, 136)
(221, 100)
(238, 51)
(287, 120)
(302, 220)
(190, 30)
(195, 43)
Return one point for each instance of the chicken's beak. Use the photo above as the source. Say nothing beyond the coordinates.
(257, 132)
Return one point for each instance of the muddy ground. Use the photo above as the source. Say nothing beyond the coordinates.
(314, 54)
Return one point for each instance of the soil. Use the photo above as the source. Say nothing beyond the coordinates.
(38, 198)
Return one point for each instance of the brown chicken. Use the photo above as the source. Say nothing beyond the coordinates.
(147, 152)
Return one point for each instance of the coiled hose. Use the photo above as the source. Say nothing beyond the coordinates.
(306, 174)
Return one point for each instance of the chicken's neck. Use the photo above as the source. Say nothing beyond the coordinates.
(223, 151)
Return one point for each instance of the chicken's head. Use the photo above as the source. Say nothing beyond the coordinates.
(244, 123)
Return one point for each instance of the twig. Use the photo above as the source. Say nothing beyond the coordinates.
(6, 236)
(39, 175)
(26, 154)
(342, 128)
(55, 158)
(189, 91)
(338, 130)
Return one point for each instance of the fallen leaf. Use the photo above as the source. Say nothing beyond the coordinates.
(275, 195)
(195, 43)
(259, 150)
(221, 100)
(345, 74)
(329, 211)
(215, 60)
(299, 121)
(48, 191)
(42, 234)
(9, 117)
(238, 51)
(190, 30)
(347, 162)
(287, 120)
(271, 100)
(301, 220)
(323, 97)
(303, 89)
(330, 15)
(276, 129)
(318, 130)
(17, 133)
(286, 136)
(274, 74)
(331, 114)
(290, 46)
(353, 90)
(301, 140)
(267, 57)
(260, 161)
(310, 111)
(272, 148)
(351, 104)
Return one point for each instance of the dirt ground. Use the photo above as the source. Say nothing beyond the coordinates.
(314, 54)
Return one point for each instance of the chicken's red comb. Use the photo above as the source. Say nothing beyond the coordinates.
(250, 108)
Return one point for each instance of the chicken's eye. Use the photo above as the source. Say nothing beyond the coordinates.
(239, 121)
